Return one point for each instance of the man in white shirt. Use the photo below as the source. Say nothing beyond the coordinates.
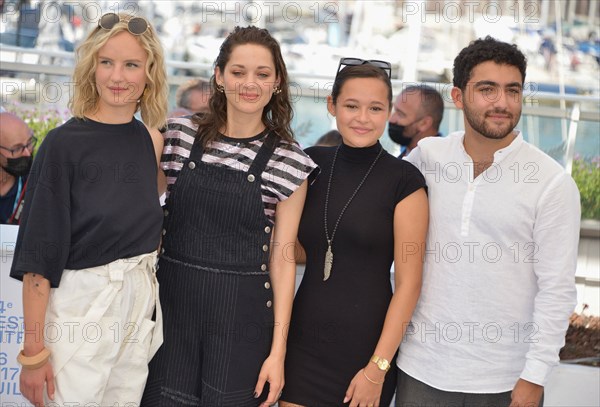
(498, 279)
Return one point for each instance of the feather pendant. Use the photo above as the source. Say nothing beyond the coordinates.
(328, 263)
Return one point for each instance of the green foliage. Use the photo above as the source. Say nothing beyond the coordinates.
(40, 120)
(586, 174)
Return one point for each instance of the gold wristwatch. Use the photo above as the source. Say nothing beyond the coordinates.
(382, 364)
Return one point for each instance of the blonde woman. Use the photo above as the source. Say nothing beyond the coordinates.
(86, 247)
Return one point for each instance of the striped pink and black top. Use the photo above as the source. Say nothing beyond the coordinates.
(288, 167)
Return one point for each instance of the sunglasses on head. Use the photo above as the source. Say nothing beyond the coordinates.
(386, 66)
(135, 25)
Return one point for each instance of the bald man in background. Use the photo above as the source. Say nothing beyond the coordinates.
(16, 149)
(418, 112)
(192, 97)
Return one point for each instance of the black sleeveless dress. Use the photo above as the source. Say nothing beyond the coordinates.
(336, 323)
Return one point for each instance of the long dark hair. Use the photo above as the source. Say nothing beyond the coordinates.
(277, 114)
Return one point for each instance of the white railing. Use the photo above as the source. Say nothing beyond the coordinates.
(571, 110)
(39, 61)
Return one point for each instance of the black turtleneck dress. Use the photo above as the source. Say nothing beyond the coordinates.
(336, 323)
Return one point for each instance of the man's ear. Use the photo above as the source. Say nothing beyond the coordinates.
(426, 123)
(457, 97)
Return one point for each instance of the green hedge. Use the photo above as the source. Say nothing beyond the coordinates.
(586, 174)
(41, 121)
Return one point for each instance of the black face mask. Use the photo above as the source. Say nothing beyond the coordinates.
(18, 167)
(396, 133)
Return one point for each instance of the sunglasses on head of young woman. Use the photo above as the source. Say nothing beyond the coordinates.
(386, 66)
(135, 25)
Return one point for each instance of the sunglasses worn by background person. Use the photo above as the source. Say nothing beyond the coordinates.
(386, 66)
(135, 25)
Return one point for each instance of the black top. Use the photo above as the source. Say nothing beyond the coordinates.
(336, 323)
(91, 199)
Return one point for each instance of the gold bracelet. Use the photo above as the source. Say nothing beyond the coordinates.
(34, 362)
(369, 379)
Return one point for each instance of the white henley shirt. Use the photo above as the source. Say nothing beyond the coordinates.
(499, 271)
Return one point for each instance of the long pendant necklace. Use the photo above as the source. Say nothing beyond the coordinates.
(329, 254)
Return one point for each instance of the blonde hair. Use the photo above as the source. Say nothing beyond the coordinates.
(153, 102)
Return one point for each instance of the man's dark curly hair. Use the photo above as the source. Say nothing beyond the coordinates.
(482, 50)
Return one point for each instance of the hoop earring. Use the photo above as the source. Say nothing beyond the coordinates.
(276, 90)
(221, 88)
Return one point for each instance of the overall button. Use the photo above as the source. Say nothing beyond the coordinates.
(267, 229)
(162, 250)
(251, 177)
(269, 304)
(191, 165)
(166, 212)
(265, 248)
(164, 232)
(263, 267)
(267, 285)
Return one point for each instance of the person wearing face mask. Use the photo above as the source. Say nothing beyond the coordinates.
(16, 149)
(418, 112)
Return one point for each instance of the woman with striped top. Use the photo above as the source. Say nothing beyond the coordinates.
(236, 187)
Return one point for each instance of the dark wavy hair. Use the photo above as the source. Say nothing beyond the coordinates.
(483, 50)
(277, 114)
(360, 71)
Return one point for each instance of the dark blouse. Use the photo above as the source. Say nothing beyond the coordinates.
(91, 199)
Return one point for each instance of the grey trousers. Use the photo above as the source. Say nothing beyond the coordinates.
(414, 393)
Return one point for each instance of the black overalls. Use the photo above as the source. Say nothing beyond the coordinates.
(215, 289)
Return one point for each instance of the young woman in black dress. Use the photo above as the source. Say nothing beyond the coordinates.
(364, 211)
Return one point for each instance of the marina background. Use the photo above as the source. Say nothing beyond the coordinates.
(419, 37)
